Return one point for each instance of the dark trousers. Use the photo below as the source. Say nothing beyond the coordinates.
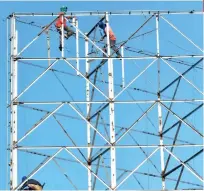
(113, 47)
(69, 32)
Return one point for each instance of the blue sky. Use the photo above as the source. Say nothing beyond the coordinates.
(123, 26)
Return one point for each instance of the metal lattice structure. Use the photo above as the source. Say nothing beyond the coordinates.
(116, 123)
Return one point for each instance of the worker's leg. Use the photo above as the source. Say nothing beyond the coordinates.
(59, 30)
(105, 50)
(60, 38)
(114, 48)
(69, 31)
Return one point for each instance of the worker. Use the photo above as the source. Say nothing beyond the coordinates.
(31, 184)
(59, 23)
(112, 38)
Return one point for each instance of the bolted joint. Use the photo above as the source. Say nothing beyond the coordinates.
(17, 103)
(15, 144)
(157, 56)
(88, 118)
(87, 75)
(11, 38)
(15, 58)
(111, 100)
(89, 162)
(162, 174)
(160, 133)
(11, 162)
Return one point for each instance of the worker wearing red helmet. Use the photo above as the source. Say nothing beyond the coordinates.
(59, 22)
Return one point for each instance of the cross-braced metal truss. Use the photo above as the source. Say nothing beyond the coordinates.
(81, 118)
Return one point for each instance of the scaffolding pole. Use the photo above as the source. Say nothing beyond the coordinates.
(89, 101)
(126, 12)
(159, 106)
(113, 58)
(62, 36)
(88, 113)
(111, 108)
(48, 46)
(14, 123)
(75, 21)
(123, 66)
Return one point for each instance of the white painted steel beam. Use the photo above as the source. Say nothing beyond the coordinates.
(87, 113)
(111, 108)
(159, 107)
(75, 21)
(114, 58)
(116, 102)
(14, 118)
(105, 147)
(113, 13)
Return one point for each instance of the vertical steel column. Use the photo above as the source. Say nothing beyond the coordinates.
(13, 132)
(75, 21)
(123, 67)
(159, 107)
(87, 111)
(48, 45)
(111, 108)
(7, 103)
(62, 35)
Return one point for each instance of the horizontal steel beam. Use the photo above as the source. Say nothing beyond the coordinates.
(102, 166)
(97, 102)
(102, 146)
(101, 13)
(113, 58)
